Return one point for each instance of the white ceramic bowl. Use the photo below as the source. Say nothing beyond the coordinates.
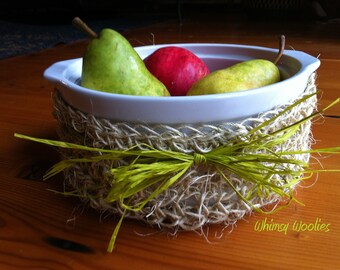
(295, 67)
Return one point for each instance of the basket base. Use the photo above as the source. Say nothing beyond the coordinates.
(201, 196)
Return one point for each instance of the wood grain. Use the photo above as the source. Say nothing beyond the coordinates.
(40, 229)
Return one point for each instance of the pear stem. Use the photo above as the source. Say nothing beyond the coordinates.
(80, 24)
(281, 49)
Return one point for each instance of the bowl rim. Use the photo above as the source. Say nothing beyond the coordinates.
(292, 53)
(55, 73)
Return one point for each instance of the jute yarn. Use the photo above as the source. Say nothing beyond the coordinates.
(201, 196)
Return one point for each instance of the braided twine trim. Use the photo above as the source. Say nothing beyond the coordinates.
(201, 196)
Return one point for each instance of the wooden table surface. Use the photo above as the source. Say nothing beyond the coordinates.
(43, 230)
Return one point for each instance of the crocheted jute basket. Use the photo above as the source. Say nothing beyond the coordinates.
(201, 196)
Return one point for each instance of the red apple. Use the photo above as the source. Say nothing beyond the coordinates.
(177, 68)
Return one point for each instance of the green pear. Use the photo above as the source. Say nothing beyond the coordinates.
(241, 76)
(111, 64)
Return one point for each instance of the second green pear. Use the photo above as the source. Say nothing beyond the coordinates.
(241, 76)
(111, 64)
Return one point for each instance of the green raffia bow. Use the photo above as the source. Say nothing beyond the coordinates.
(250, 158)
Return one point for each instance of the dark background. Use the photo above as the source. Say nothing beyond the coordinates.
(34, 25)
